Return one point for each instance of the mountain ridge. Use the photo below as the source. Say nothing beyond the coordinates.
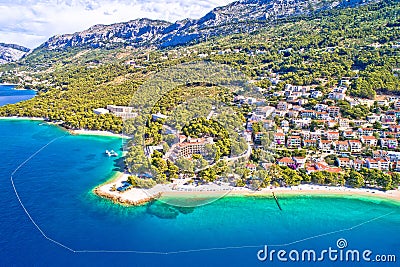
(219, 21)
(12, 52)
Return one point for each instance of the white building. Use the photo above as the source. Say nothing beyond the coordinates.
(100, 111)
(122, 111)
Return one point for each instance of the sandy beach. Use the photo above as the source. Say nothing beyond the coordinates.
(73, 132)
(9, 84)
(137, 196)
(134, 196)
(22, 118)
(97, 133)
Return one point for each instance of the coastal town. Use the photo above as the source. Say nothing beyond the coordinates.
(300, 129)
(307, 119)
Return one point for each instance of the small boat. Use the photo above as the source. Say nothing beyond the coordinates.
(111, 153)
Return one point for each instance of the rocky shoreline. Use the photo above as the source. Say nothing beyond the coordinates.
(124, 201)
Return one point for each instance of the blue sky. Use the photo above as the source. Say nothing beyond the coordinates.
(32, 22)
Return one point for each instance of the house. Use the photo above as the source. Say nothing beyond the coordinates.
(344, 162)
(293, 113)
(268, 124)
(373, 118)
(308, 114)
(358, 164)
(325, 146)
(293, 142)
(279, 138)
(316, 94)
(305, 134)
(372, 164)
(368, 140)
(315, 135)
(278, 93)
(302, 123)
(345, 82)
(380, 154)
(264, 112)
(332, 123)
(284, 124)
(394, 128)
(378, 164)
(366, 131)
(396, 166)
(122, 111)
(297, 108)
(388, 118)
(334, 135)
(333, 111)
(355, 146)
(390, 143)
(294, 96)
(279, 113)
(359, 122)
(252, 167)
(247, 136)
(258, 136)
(343, 122)
(286, 162)
(341, 146)
(283, 106)
(384, 165)
(302, 101)
(320, 107)
(309, 143)
(349, 134)
(323, 115)
(392, 98)
(321, 166)
(336, 96)
(340, 90)
(300, 161)
(382, 102)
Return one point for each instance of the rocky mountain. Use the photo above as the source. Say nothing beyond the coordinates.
(229, 19)
(11, 52)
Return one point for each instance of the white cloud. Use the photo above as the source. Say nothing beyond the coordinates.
(31, 22)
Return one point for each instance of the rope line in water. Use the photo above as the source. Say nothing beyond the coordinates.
(160, 252)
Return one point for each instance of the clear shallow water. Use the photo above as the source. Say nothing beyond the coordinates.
(8, 95)
(55, 187)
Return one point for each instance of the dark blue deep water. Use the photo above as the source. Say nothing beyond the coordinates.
(8, 95)
(78, 227)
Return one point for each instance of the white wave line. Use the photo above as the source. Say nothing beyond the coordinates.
(160, 252)
(19, 199)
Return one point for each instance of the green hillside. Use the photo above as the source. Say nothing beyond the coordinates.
(321, 49)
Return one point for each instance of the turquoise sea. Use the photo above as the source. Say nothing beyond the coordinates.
(69, 226)
(8, 94)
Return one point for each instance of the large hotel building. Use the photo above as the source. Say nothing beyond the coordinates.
(188, 146)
